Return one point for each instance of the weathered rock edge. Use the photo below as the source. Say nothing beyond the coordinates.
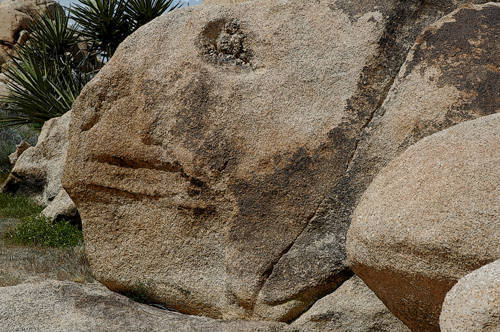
(61, 306)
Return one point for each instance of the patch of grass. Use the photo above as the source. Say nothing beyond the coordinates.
(15, 206)
(38, 231)
(20, 264)
(3, 177)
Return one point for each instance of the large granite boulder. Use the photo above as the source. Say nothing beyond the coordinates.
(200, 158)
(353, 307)
(38, 170)
(68, 306)
(430, 217)
(197, 156)
(473, 304)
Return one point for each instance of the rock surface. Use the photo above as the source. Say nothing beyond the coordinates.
(445, 80)
(223, 2)
(353, 307)
(473, 304)
(38, 170)
(69, 306)
(15, 19)
(62, 207)
(229, 139)
(430, 217)
(224, 147)
(20, 148)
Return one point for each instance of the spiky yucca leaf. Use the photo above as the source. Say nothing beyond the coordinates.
(44, 77)
(51, 36)
(143, 11)
(104, 23)
(40, 89)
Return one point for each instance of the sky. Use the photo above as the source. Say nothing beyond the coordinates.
(68, 2)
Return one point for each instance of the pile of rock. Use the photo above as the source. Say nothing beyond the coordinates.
(38, 170)
(229, 187)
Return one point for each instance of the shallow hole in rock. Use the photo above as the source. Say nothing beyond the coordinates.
(223, 42)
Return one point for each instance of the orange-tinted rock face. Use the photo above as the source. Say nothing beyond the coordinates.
(430, 217)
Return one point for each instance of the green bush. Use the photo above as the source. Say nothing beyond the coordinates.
(38, 231)
(16, 206)
(6, 148)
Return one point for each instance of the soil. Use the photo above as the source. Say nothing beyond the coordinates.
(21, 264)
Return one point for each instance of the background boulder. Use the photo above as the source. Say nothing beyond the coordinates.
(353, 307)
(38, 170)
(473, 304)
(430, 217)
(15, 17)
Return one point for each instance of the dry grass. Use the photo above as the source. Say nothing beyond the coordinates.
(19, 264)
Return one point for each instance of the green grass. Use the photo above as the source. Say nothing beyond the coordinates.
(34, 229)
(3, 177)
(15, 206)
(38, 231)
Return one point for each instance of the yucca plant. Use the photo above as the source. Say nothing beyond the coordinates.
(51, 35)
(50, 69)
(40, 89)
(103, 23)
(106, 23)
(47, 73)
(141, 12)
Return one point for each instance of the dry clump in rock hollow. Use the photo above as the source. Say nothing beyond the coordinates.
(224, 43)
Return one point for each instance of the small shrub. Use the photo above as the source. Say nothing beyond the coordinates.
(15, 206)
(36, 230)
